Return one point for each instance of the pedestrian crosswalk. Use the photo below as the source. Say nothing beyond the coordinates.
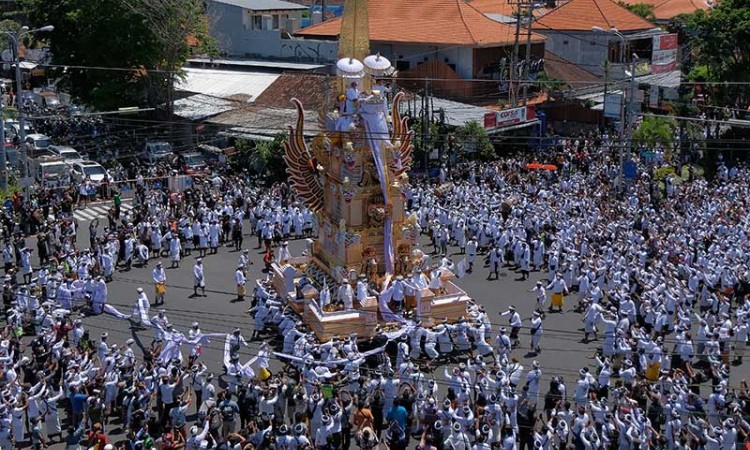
(99, 210)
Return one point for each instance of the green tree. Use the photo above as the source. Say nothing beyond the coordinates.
(173, 25)
(720, 40)
(7, 25)
(548, 84)
(265, 158)
(120, 52)
(642, 9)
(474, 138)
(421, 144)
(654, 130)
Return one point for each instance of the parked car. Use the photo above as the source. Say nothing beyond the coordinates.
(13, 128)
(192, 163)
(155, 152)
(68, 153)
(89, 169)
(36, 143)
(212, 154)
(12, 158)
(50, 170)
(47, 99)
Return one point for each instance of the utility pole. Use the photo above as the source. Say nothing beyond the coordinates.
(527, 62)
(606, 80)
(3, 157)
(327, 93)
(426, 123)
(441, 137)
(514, 57)
(521, 78)
(15, 38)
(631, 116)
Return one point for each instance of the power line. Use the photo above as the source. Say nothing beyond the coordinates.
(404, 79)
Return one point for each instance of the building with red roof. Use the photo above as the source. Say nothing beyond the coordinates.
(452, 32)
(588, 32)
(664, 10)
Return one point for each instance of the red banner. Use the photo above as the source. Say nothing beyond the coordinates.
(490, 120)
(665, 42)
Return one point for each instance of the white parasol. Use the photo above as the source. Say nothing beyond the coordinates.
(350, 68)
(377, 65)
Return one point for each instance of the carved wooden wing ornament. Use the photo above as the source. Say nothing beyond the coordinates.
(302, 165)
(401, 133)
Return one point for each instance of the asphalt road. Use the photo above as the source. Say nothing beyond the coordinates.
(563, 353)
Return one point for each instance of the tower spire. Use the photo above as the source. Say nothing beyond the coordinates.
(354, 39)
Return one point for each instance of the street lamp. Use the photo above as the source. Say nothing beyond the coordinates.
(631, 103)
(621, 156)
(15, 38)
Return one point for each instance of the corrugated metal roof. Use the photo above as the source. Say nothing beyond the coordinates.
(262, 5)
(667, 80)
(456, 113)
(199, 106)
(226, 83)
(266, 121)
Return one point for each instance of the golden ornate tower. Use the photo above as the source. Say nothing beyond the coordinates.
(354, 38)
(354, 174)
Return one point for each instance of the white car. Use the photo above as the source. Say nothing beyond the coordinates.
(70, 154)
(36, 143)
(89, 169)
(13, 128)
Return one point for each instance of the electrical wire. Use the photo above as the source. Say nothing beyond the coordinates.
(520, 139)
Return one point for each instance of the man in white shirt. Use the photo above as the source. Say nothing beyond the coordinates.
(515, 324)
(471, 253)
(198, 279)
(239, 279)
(559, 289)
(166, 389)
(345, 294)
(197, 436)
(160, 278)
(352, 96)
(541, 296)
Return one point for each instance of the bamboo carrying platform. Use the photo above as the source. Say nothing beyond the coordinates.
(434, 308)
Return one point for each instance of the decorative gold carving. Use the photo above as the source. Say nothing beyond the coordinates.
(369, 265)
(302, 167)
(377, 214)
(401, 137)
(403, 264)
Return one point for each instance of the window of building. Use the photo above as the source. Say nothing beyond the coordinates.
(402, 65)
(257, 22)
(565, 42)
(275, 25)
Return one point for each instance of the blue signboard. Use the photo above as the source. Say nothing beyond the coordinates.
(629, 170)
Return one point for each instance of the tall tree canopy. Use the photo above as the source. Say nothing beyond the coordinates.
(642, 9)
(121, 53)
(721, 45)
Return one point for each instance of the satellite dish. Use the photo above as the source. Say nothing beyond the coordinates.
(7, 55)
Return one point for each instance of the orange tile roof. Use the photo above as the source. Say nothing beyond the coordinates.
(494, 7)
(440, 22)
(667, 9)
(581, 15)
